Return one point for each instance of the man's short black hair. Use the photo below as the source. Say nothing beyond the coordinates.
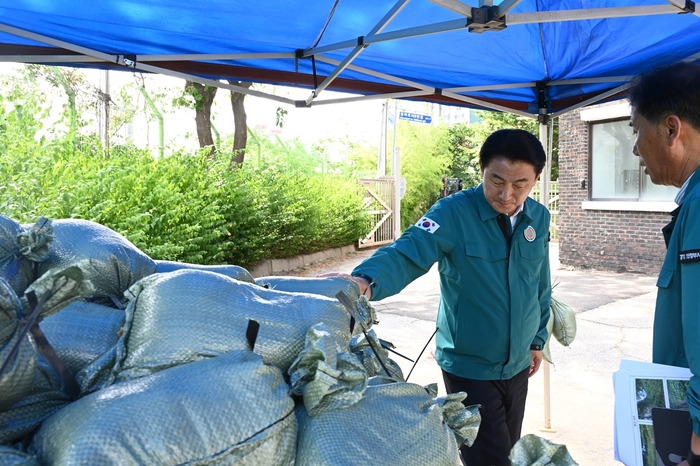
(515, 145)
(669, 90)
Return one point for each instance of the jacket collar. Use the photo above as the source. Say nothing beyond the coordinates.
(691, 183)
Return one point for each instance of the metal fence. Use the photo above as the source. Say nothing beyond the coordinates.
(553, 206)
(379, 203)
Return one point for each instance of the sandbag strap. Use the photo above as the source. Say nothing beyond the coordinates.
(46, 350)
(43, 346)
(421, 354)
(31, 297)
(251, 333)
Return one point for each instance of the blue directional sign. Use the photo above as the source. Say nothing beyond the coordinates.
(416, 117)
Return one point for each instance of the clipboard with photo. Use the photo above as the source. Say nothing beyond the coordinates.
(643, 392)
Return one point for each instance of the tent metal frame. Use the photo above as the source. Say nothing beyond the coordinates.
(486, 17)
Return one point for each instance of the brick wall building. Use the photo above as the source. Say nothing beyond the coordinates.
(609, 234)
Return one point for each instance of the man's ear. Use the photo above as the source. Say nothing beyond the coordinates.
(673, 129)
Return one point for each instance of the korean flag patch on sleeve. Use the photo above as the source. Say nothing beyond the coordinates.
(428, 225)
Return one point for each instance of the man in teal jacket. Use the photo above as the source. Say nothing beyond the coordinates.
(666, 120)
(492, 246)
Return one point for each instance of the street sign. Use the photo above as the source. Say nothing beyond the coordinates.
(416, 117)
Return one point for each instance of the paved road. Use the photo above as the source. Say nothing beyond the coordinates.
(614, 320)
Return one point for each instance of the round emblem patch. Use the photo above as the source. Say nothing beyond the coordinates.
(530, 234)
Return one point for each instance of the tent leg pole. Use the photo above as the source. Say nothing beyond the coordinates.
(547, 171)
(547, 408)
(544, 200)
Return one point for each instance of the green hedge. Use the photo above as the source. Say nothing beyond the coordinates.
(185, 207)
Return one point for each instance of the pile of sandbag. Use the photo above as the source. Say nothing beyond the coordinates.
(111, 357)
(46, 267)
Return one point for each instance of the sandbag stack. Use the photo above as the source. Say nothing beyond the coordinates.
(184, 364)
(46, 267)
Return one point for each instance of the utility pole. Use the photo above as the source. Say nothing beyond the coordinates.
(396, 171)
(381, 164)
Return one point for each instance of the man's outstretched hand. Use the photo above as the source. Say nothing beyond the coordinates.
(365, 289)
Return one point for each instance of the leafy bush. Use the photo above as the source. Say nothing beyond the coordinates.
(424, 156)
(185, 207)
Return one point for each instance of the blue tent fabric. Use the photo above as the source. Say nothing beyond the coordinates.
(604, 51)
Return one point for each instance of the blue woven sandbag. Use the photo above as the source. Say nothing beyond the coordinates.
(179, 317)
(12, 457)
(116, 263)
(328, 286)
(83, 331)
(232, 271)
(231, 409)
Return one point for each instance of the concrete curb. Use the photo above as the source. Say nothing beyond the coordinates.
(276, 266)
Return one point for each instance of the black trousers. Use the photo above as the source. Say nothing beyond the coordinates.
(502, 410)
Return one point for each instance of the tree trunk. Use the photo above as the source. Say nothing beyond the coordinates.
(240, 135)
(204, 101)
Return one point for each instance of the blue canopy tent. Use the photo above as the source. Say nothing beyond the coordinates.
(537, 58)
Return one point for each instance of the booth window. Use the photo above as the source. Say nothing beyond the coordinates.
(615, 170)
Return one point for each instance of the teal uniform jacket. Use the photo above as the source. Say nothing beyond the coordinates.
(677, 318)
(494, 302)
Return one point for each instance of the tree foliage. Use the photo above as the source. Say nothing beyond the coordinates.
(424, 157)
(466, 140)
(287, 198)
(185, 207)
